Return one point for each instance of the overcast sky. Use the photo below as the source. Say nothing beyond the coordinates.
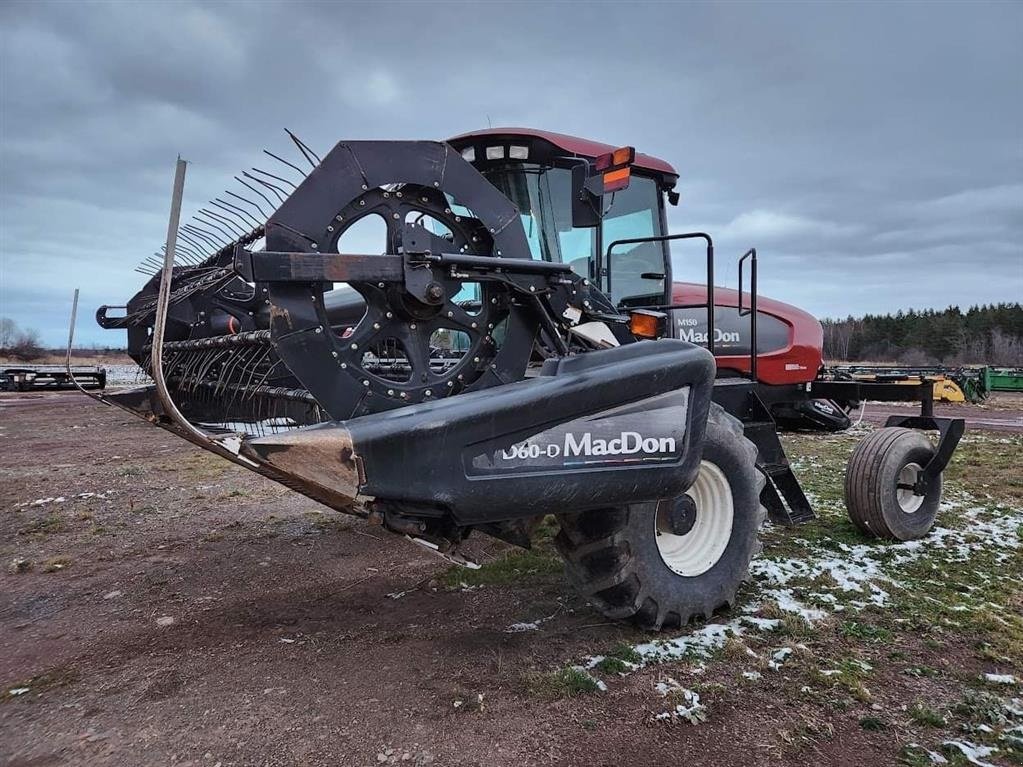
(873, 153)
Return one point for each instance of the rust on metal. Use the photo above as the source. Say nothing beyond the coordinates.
(323, 456)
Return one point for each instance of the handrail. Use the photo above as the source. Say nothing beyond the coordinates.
(751, 254)
(710, 270)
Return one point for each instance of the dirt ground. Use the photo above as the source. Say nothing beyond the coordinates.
(1001, 411)
(160, 606)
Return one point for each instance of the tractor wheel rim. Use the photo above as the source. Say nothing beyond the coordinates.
(909, 501)
(700, 549)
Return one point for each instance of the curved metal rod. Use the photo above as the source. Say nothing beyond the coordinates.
(277, 178)
(179, 257)
(230, 215)
(304, 149)
(67, 360)
(282, 160)
(278, 192)
(212, 221)
(224, 204)
(238, 231)
(206, 236)
(192, 240)
(253, 189)
(162, 303)
(250, 202)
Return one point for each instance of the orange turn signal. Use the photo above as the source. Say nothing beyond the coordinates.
(616, 180)
(644, 323)
(626, 155)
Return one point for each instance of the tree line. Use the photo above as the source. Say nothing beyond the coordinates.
(991, 334)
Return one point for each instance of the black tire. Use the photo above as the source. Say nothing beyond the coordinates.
(613, 557)
(872, 495)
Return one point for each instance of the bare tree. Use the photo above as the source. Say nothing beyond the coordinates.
(26, 346)
(8, 332)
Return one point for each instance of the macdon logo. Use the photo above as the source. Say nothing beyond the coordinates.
(629, 443)
(695, 336)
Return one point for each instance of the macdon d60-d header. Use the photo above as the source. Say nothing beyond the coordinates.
(511, 347)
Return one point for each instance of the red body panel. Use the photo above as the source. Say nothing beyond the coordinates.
(573, 145)
(797, 362)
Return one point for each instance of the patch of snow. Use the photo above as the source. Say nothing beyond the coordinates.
(778, 658)
(517, 628)
(691, 710)
(1000, 678)
(165, 620)
(935, 757)
(18, 690)
(788, 603)
(764, 624)
(974, 754)
(752, 675)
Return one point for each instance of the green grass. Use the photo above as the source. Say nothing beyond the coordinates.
(926, 716)
(50, 524)
(873, 723)
(613, 666)
(515, 565)
(564, 683)
(846, 675)
(865, 631)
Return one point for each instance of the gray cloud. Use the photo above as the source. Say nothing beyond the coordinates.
(873, 153)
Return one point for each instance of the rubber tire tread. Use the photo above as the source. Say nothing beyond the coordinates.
(870, 479)
(611, 555)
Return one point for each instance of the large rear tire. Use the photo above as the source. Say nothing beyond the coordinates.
(659, 567)
(882, 462)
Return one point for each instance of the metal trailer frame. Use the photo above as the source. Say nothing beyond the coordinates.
(51, 378)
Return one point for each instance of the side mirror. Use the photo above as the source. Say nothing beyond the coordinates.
(585, 207)
(609, 173)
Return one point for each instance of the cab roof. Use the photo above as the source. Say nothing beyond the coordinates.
(571, 145)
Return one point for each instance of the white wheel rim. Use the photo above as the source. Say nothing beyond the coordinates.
(700, 549)
(909, 502)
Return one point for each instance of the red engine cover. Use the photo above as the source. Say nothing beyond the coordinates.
(790, 340)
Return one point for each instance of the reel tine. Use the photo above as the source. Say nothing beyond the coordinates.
(252, 188)
(305, 150)
(214, 236)
(275, 189)
(233, 228)
(224, 205)
(250, 202)
(202, 236)
(282, 160)
(191, 240)
(277, 178)
(186, 254)
(231, 216)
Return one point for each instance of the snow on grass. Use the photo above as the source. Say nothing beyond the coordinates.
(689, 709)
(802, 585)
(778, 657)
(1000, 679)
(974, 754)
(517, 628)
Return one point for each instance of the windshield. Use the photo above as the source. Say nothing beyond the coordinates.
(543, 196)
